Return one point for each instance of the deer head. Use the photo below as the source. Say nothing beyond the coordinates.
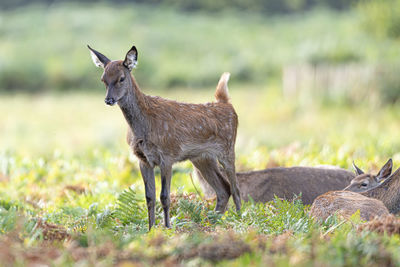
(117, 74)
(365, 181)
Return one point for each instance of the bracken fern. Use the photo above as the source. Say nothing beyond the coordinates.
(129, 208)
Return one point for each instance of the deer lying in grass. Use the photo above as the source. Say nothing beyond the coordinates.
(377, 201)
(365, 181)
(264, 185)
(311, 182)
(162, 132)
(388, 192)
(345, 204)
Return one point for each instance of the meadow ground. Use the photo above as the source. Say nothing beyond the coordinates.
(70, 190)
(71, 193)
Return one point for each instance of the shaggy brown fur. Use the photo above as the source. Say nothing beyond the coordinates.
(346, 203)
(162, 132)
(264, 185)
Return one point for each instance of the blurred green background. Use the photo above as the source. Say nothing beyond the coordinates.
(190, 43)
(316, 72)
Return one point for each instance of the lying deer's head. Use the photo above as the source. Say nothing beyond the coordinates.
(364, 181)
(116, 76)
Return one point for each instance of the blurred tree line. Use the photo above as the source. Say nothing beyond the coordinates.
(263, 6)
(382, 18)
(43, 44)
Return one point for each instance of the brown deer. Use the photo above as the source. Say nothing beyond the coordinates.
(162, 132)
(264, 185)
(365, 181)
(345, 204)
(311, 182)
(377, 201)
(388, 192)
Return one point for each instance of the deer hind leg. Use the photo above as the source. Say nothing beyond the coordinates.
(228, 163)
(210, 171)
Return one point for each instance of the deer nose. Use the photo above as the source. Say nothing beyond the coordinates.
(110, 101)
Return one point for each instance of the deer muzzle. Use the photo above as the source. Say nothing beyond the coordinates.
(110, 101)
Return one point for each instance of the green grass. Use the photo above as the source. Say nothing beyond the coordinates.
(70, 190)
(64, 161)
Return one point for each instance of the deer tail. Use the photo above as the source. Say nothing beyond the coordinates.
(221, 94)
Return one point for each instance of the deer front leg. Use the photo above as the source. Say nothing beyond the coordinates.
(150, 191)
(166, 172)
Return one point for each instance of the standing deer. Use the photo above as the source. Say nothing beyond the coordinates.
(162, 132)
(377, 201)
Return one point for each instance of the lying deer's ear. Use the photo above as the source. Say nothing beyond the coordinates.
(357, 170)
(98, 58)
(131, 58)
(386, 170)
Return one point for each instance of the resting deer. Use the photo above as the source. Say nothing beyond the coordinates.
(345, 204)
(388, 192)
(367, 181)
(264, 185)
(377, 201)
(162, 132)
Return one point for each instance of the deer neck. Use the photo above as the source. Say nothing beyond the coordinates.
(132, 106)
(388, 192)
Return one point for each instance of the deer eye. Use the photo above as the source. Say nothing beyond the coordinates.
(364, 184)
(122, 79)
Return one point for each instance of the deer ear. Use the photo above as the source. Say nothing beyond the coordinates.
(98, 58)
(386, 170)
(357, 170)
(131, 57)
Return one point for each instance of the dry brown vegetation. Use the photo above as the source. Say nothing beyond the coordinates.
(389, 224)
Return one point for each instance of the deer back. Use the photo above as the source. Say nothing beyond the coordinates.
(346, 203)
(263, 185)
(310, 182)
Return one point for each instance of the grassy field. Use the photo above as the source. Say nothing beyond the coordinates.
(70, 190)
(65, 174)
